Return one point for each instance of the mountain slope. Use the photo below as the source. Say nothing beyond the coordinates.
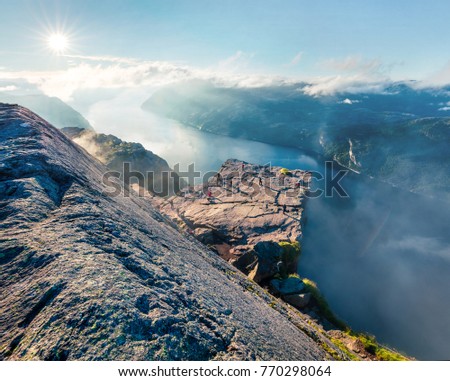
(87, 276)
(52, 109)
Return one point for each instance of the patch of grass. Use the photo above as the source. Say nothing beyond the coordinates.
(291, 251)
(344, 349)
(285, 171)
(324, 308)
(382, 353)
(330, 351)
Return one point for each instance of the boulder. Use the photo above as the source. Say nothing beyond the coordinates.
(298, 300)
(288, 286)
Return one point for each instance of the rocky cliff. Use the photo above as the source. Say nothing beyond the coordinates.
(87, 276)
(243, 212)
(116, 153)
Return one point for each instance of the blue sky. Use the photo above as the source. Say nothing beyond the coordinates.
(350, 45)
(409, 37)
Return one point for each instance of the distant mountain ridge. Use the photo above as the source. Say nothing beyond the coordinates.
(52, 109)
(399, 136)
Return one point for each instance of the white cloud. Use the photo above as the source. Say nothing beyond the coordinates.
(105, 73)
(444, 109)
(353, 74)
(349, 84)
(423, 245)
(64, 83)
(123, 60)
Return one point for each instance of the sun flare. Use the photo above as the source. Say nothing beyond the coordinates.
(58, 43)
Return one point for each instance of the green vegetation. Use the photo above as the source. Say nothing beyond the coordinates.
(229, 272)
(285, 171)
(291, 251)
(324, 308)
(382, 353)
(330, 351)
(344, 349)
(289, 256)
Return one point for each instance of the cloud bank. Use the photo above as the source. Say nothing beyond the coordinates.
(352, 74)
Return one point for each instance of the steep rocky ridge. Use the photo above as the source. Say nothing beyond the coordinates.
(115, 153)
(87, 276)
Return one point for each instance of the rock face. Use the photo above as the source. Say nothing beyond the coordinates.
(243, 212)
(87, 276)
(115, 153)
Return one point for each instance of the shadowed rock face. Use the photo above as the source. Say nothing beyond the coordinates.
(90, 277)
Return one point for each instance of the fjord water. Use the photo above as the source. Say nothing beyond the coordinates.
(381, 257)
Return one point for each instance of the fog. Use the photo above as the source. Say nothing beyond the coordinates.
(87, 141)
(381, 257)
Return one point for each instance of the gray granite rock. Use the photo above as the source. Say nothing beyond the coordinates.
(298, 300)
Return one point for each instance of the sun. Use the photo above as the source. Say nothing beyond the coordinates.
(58, 43)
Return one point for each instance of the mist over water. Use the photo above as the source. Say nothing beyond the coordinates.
(380, 257)
(382, 260)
